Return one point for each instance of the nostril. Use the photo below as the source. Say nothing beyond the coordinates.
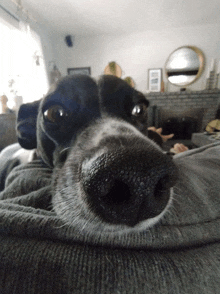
(119, 193)
(162, 185)
(123, 193)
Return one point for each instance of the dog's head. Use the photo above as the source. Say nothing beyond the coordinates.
(107, 173)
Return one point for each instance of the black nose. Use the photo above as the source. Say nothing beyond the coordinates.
(127, 187)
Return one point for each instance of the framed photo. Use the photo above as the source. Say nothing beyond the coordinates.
(154, 79)
(79, 70)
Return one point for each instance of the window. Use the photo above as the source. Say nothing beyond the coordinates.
(22, 66)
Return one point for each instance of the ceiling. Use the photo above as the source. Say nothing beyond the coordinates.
(95, 17)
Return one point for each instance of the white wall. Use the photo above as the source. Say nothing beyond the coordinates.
(137, 52)
(47, 46)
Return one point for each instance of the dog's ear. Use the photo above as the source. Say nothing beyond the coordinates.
(141, 97)
(112, 85)
(116, 96)
(26, 125)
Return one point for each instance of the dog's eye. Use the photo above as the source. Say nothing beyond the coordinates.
(55, 114)
(139, 110)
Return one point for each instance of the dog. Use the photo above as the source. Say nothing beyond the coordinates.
(107, 174)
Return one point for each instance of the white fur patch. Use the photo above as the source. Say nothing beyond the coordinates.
(24, 155)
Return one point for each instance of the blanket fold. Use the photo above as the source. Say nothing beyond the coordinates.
(39, 253)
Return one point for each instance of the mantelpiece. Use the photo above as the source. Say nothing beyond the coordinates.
(180, 102)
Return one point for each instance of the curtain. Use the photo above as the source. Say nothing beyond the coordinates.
(22, 66)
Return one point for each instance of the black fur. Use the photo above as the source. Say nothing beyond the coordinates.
(106, 171)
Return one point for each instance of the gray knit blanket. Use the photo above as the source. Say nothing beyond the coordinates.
(39, 253)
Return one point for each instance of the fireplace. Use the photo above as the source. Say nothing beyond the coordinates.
(182, 123)
(182, 113)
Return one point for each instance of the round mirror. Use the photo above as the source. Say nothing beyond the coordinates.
(184, 66)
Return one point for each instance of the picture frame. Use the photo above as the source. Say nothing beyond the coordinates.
(79, 70)
(154, 79)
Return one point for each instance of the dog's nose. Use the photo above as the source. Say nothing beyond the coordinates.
(127, 187)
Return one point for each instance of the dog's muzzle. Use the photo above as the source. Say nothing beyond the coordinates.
(126, 185)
